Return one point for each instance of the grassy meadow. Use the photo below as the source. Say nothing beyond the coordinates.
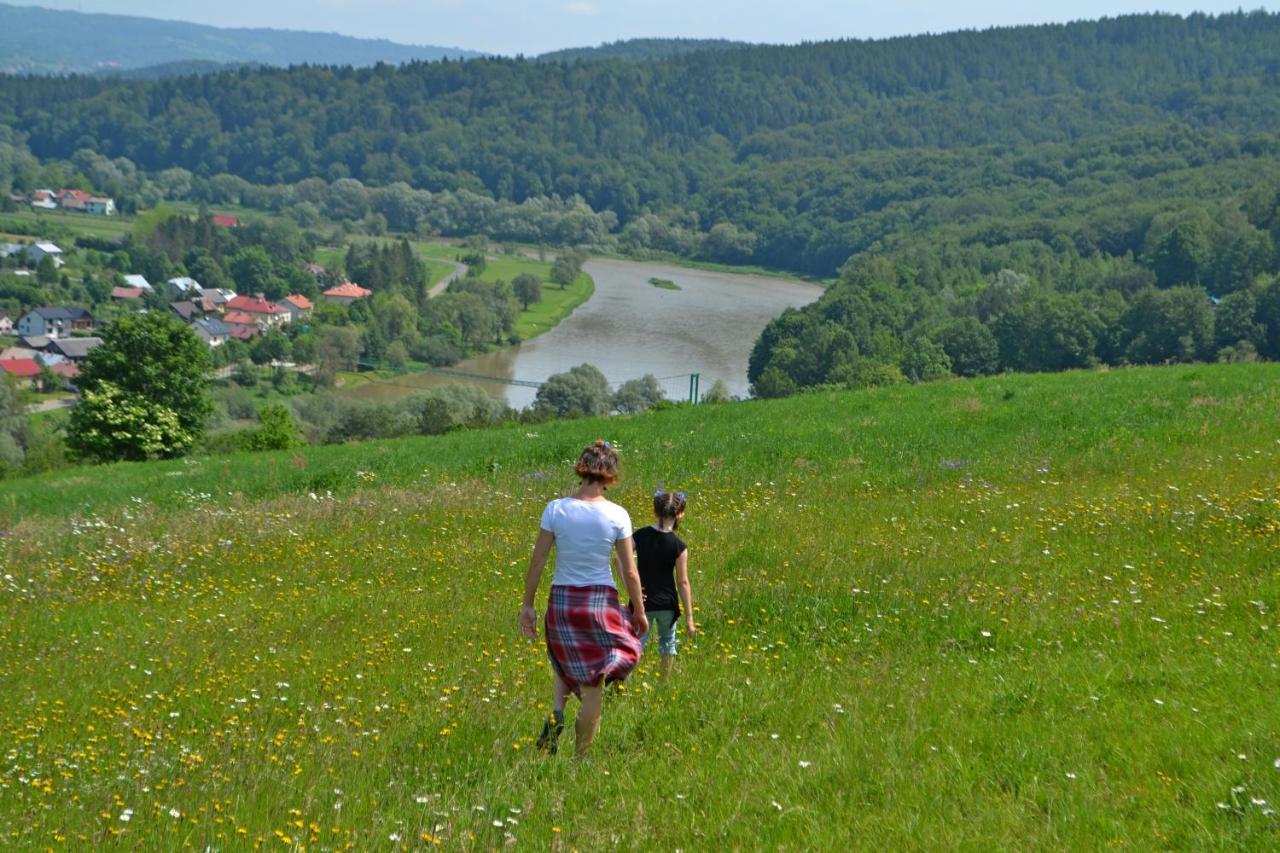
(557, 302)
(1023, 612)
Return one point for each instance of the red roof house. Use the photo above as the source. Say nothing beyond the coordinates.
(73, 199)
(225, 220)
(126, 293)
(23, 369)
(239, 318)
(346, 293)
(264, 313)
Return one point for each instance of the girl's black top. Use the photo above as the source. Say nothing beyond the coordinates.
(656, 555)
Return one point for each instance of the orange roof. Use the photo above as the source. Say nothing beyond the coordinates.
(224, 220)
(238, 317)
(349, 290)
(126, 293)
(299, 301)
(66, 369)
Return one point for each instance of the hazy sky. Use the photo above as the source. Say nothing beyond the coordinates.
(536, 26)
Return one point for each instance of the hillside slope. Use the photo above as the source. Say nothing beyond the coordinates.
(1025, 611)
(35, 40)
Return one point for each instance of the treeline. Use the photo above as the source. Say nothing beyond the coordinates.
(894, 320)
(795, 157)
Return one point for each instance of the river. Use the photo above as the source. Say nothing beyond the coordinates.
(629, 328)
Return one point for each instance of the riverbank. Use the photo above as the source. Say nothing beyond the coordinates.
(630, 328)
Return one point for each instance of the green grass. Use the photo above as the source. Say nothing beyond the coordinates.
(1025, 612)
(557, 303)
(62, 224)
(664, 283)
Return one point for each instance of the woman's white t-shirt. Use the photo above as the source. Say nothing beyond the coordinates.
(585, 532)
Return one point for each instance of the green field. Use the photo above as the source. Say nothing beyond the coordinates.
(55, 225)
(556, 304)
(1024, 612)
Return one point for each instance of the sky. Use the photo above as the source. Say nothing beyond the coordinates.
(531, 27)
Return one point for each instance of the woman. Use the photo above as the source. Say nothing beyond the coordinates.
(591, 639)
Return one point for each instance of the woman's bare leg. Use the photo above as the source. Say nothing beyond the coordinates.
(559, 692)
(588, 718)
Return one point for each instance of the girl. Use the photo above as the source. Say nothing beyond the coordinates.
(591, 639)
(664, 567)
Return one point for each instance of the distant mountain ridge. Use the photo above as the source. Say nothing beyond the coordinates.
(641, 49)
(35, 40)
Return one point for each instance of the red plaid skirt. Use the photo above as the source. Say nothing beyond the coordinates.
(589, 636)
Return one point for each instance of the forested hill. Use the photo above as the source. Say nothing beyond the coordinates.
(37, 40)
(640, 49)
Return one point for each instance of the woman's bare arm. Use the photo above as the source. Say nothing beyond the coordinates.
(537, 562)
(631, 580)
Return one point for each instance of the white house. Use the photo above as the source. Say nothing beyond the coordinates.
(6, 322)
(100, 205)
(37, 252)
(137, 281)
(184, 283)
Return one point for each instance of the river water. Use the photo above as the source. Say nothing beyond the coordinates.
(629, 328)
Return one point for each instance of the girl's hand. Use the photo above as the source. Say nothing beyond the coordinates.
(690, 628)
(529, 622)
(639, 623)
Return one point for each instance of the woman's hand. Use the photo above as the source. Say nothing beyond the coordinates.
(639, 622)
(689, 627)
(528, 622)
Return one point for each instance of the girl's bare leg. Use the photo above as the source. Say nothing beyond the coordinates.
(588, 718)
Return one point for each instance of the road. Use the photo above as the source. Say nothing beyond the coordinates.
(51, 405)
(459, 270)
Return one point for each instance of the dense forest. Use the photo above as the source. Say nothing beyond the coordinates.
(1100, 172)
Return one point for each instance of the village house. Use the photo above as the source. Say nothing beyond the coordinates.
(75, 349)
(44, 200)
(298, 306)
(212, 331)
(136, 280)
(68, 370)
(186, 310)
(37, 252)
(216, 298)
(72, 199)
(18, 352)
(265, 314)
(241, 332)
(54, 322)
(25, 370)
(6, 322)
(100, 206)
(184, 283)
(225, 220)
(346, 293)
(9, 250)
(126, 294)
(35, 343)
